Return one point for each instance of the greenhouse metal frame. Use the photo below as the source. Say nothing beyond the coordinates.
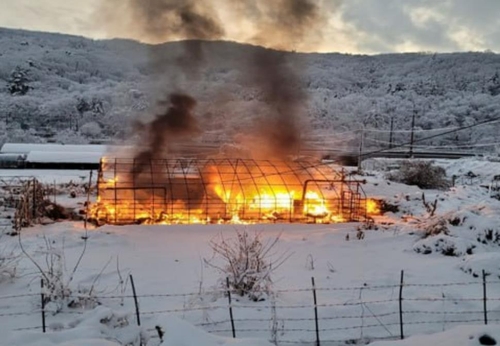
(188, 191)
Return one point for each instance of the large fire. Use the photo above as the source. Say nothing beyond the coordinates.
(224, 191)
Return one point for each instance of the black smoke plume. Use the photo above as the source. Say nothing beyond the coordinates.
(176, 123)
(283, 25)
(277, 24)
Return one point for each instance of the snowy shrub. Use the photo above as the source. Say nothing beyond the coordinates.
(91, 129)
(476, 263)
(489, 236)
(57, 280)
(422, 174)
(18, 81)
(435, 226)
(247, 263)
(430, 207)
(445, 245)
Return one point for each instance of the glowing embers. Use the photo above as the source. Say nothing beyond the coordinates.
(314, 205)
(273, 202)
(373, 207)
(267, 204)
(224, 191)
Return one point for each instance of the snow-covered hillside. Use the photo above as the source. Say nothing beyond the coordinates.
(74, 90)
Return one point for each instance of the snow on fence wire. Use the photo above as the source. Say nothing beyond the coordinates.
(315, 315)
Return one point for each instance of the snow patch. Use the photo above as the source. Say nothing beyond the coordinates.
(475, 264)
(181, 333)
(458, 336)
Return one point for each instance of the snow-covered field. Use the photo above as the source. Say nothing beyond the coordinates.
(357, 280)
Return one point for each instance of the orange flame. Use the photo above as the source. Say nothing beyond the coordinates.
(373, 207)
(123, 200)
(314, 205)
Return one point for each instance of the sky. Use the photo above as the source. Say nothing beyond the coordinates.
(353, 26)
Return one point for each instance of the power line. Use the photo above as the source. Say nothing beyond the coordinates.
(409, 131)
(431, 137)
(316, 166)
(444, 146)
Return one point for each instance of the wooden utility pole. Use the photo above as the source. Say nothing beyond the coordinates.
(361, 144)
(412, 130)
(391, 132)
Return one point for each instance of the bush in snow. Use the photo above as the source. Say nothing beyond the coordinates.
(91, 129)
(57, 280)
(445, 245)
(489, 236)
(422, 174)
(247, 263)
(435, 226)
(476, 263)
(18, 82)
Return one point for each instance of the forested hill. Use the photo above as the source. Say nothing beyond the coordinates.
(74, 90)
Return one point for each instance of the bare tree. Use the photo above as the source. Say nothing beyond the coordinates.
(56, 278)
(248, 262)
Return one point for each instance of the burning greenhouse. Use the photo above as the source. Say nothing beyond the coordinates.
(187, 191)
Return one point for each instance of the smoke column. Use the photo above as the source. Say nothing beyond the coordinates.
(177, 122)
(159, 21)
(280, 24)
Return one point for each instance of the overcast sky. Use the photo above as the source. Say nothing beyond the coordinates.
(355, 26)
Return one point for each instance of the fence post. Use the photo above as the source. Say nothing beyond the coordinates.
(230, 308)
(137, 314)
(401, 305)
(43, 304)
(315, 311)
(485, 299)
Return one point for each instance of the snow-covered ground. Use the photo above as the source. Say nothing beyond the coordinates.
(357, 280)
(48, 176)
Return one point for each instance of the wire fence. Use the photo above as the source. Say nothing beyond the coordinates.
(314, 315)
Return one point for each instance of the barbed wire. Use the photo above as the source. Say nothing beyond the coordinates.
(443, 312)
(292, 290)
(294, 324)
(212, 307)
(27, 328)
(161, 295)
(16, 314)
(450, 284)
(446, 321)
(421, 299)
(214, 323)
